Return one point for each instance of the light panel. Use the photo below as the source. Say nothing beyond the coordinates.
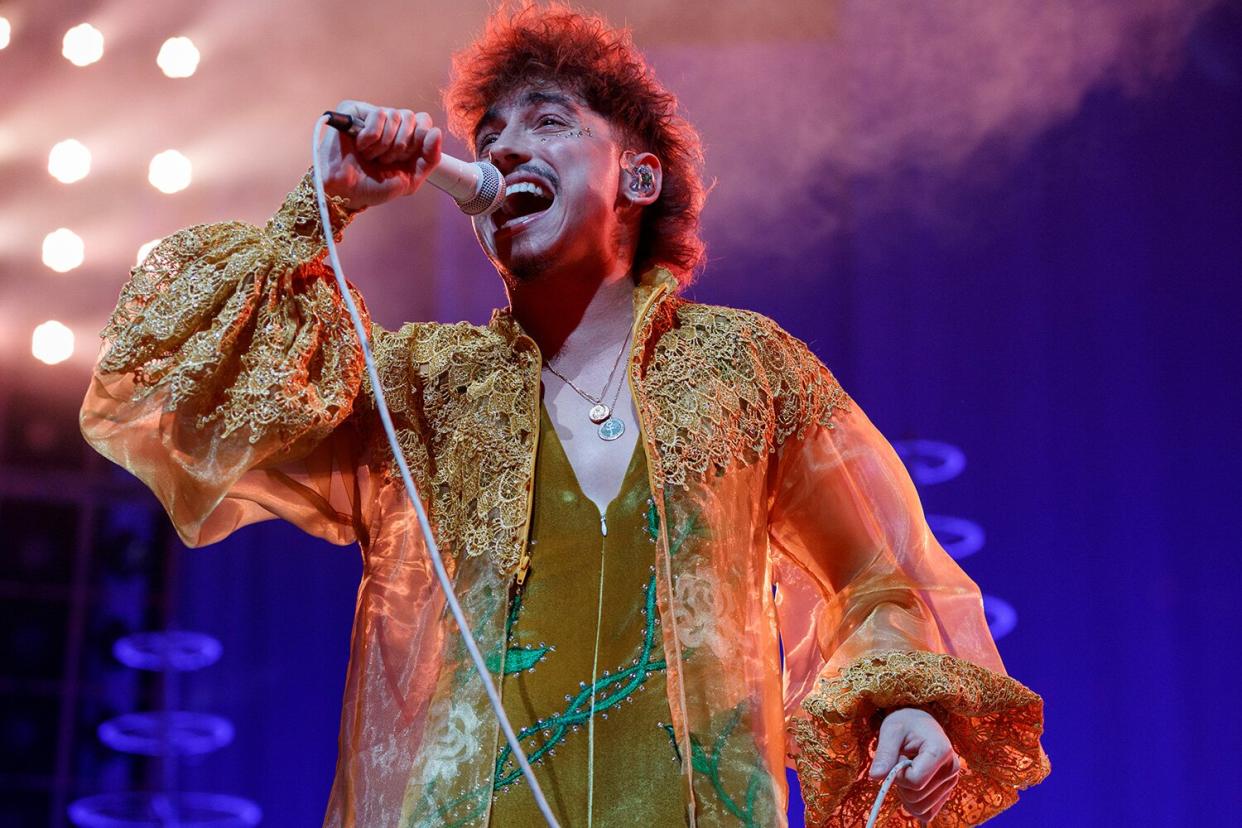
(83, 45)
(178, 57)
(69, 161)
(63, 250)
(170, 172)
(51, 342)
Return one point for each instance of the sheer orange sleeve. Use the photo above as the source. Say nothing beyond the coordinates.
(875, 616)
(227, 377)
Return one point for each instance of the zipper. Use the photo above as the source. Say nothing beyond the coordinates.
(524, 558)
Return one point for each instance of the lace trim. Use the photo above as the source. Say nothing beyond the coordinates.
(244, 327)
(724, 385)
(993, 721)
(461, 399)
(720, 385)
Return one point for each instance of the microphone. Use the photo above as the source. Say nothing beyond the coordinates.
(477, 187)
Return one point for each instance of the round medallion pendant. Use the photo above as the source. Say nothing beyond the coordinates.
(599, 412)
(611, 429)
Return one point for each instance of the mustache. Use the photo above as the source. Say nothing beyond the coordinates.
(542, 170)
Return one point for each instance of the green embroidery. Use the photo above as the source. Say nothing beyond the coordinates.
(708, 764)
(578, 710)
(523, 658)
(517, 659)
(434, 816)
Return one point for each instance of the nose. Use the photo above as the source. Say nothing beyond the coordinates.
(510, 149)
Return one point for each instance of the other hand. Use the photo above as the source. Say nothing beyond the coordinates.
(925, 786)
(391, 156)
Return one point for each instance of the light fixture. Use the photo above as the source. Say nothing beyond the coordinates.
(170, 172)
(178, 57)
(63, 250)
(83, 45)
(51, 342)
(5, 31)
(69, 161)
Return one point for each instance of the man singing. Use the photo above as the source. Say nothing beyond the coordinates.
(639, 497)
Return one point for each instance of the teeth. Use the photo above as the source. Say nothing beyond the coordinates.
(526, 187)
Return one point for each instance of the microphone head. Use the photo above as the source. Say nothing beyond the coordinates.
(490, 194)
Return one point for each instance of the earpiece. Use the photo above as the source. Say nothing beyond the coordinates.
(644, 178)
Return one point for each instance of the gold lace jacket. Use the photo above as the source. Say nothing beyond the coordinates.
(232, 384)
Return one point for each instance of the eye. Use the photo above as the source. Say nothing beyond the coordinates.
(486, 139)
(552, 120)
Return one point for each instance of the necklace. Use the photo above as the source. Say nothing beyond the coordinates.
(600, 413)
(613, 426)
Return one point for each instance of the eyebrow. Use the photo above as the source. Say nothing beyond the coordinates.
(531, 98)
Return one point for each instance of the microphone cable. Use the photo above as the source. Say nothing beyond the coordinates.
(433, 549)
(903, 762)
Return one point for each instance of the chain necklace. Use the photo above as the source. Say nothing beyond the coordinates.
(601, 414)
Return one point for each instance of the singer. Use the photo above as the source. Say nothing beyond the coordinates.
(618, 477)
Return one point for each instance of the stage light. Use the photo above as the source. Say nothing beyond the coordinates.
(178, 57)
(52, 342)
(145, 250)
(83, 45)
(69, 161)
(170, 172)
(63, 250)
(5, 31)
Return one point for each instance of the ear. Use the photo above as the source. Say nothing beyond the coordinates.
(641, 178)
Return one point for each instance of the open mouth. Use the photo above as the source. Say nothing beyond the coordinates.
(523, 202)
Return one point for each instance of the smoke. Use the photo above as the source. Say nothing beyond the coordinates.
(891, 92)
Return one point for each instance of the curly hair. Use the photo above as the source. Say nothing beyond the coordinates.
(557, 44)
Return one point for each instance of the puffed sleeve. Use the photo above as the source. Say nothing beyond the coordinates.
(876, 616)
(227, 378)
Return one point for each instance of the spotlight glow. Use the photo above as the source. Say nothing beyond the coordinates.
(178, 57)
(83, 45)
(145, 250)
(170, 172)
(51, 342)
(69, 161)
(5, 31)
(63, 250)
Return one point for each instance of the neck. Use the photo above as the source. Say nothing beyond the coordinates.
(575, 318)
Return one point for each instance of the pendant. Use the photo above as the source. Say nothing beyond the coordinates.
(611, 429)
(599, 413)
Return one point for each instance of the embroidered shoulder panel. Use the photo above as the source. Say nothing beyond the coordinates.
(723, 386)
(464, 403)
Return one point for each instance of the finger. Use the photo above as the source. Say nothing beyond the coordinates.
(928, 811)
(372, 129)
(392, 123)
(400, 148)
(430, 156)
(888, 749)
(422, 124)
(929, 760)
(938, 789)
(396, 147)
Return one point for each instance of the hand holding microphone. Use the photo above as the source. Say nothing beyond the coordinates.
(383, 153)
